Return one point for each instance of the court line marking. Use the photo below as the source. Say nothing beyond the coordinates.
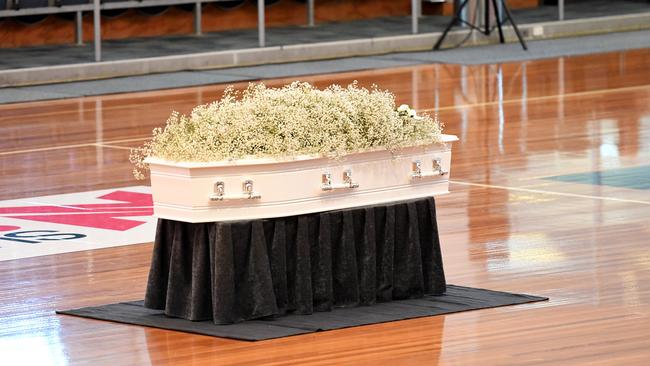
(543, 97)
(506, 101)
(451, 107)
(528, 190)
(44, 149)
(87, 144)
(543, 177)
(125, 140)
(114, 146)
(603, 169)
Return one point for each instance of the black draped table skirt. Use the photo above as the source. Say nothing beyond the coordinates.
(239, 270)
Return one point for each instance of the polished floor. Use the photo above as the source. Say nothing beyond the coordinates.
(278, 36)
(509, 223)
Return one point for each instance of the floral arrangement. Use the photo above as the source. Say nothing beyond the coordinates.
(296, 119)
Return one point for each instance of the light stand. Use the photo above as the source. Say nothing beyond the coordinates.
(486, 29)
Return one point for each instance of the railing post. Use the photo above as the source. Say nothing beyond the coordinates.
(79, 28)
(260, 23)
(310, 13)
(414, 16)
(97, 30)
(560, 9)
(198, 29)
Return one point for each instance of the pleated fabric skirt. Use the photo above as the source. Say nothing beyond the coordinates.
(239, 270)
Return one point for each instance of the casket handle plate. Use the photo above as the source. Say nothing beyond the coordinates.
(436, 169)
(248, 192)
(327, 184)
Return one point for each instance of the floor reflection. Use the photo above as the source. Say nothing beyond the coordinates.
(42, 347)
(361, 345)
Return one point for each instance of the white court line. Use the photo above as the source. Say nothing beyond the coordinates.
(36, 203)
(45, 149)
(538, 177)
(107, 212)
(576, 172)
(114, 146)
(450, 107)
(539, 98)
(550, 192)
(86, 144)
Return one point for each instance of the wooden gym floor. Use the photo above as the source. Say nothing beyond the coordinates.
(584, 242)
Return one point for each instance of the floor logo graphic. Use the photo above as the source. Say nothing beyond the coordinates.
(79, 221)
(100, 216)
(36, 236)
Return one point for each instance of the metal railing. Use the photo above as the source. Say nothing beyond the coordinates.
(96, 7)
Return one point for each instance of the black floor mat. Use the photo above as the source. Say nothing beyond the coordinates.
(457, 299)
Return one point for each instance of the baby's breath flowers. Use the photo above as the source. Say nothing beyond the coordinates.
(405, 110)
(296, 119)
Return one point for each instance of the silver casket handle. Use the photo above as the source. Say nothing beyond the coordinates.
(436, 169)
(328, 185)
(248, 193)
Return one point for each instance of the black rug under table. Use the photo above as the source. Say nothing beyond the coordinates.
(456, 299)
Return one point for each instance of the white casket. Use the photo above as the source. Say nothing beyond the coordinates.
(264, 188)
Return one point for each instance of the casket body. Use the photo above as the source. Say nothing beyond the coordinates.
(263, 188)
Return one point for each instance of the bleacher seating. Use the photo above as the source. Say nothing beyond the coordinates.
(28, 4)
(154, 10)
(230, 4)
(70, 2)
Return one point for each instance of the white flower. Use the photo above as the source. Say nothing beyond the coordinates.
(404, 108)
(412, 113)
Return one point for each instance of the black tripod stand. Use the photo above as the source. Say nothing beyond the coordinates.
(487, 29)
